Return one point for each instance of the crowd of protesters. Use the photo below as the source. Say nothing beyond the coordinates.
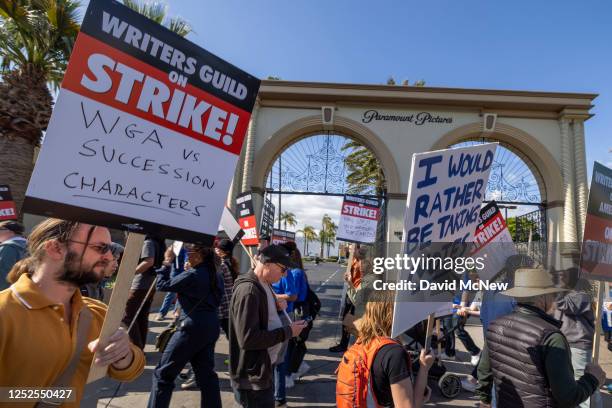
(538, 334)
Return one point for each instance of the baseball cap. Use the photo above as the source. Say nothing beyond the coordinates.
(14, 226)
(275, 254)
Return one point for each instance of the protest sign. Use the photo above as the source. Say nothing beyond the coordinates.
(246, 219)
(8, 209)
(230, 226)
(596, 255)
(146, 131)
(267, 218)
(445, 193)
(358, 220)
(282, 236)
(492, 241)
(145, 135)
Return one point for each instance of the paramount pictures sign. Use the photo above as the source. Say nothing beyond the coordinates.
(417, 119)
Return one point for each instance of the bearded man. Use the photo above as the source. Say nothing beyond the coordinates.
(48, 331)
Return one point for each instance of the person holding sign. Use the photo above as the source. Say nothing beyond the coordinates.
(199, 291)
(47, 323)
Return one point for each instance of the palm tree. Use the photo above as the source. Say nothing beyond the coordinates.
(36, 39)
(324, 233)
(364, 170)
(158, 12)
(332, 228)
(309, 235)
(288, 218)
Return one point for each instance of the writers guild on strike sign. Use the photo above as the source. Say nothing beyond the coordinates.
(143, 118)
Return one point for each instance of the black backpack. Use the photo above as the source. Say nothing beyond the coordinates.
(313, 302)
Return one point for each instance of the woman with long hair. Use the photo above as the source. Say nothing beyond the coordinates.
(390, 371)
(199, 291)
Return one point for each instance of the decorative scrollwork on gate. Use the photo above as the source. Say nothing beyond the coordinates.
(324, 170)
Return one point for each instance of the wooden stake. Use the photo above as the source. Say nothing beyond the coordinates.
(430, 326)
(438, 336)
(118, 300)
(598, 312)
(248, 252)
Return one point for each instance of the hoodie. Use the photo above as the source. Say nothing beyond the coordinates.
(578, 321)
(11, 251)
(249, 337)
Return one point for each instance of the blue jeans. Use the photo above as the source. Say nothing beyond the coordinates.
(255, 398)
(449, 323)
(194, 343)
(170, 296)
(167, 303)
(280, 374)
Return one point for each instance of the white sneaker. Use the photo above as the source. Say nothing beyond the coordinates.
(443, 356)
(289, 382)
(468, 385)
(303, 369)
(474, 360)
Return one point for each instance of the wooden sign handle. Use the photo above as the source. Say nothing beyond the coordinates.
(598, 312)
(118, 300)
(430, 326)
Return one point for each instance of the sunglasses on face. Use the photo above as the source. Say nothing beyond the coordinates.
(102, 249)
(282, 267)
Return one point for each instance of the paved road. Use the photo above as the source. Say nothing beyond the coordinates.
(315, 389)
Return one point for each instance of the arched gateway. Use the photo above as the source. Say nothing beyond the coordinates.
(544, 130)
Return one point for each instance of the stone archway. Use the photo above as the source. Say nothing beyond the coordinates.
(289, 134)
(544, 164)
(536, 156)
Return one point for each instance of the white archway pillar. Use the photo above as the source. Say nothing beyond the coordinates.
(582, 189)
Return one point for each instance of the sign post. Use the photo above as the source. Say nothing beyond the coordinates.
(145, 136)
(358, 220)
(267, 218)
(246, 219)
(281, 236)
(8, 209)
(596, 254)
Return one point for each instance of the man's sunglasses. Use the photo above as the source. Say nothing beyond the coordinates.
(99, 248)
(282, 267)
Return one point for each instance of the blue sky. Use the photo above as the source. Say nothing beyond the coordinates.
(543, 45)
(540, 45)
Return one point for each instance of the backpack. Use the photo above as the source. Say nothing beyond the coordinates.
(314, 303)
(353, 373)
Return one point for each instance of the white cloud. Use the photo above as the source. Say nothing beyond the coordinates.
(310, 209)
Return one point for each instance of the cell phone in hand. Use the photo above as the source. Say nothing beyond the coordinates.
(308, 319)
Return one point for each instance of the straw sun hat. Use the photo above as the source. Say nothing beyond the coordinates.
(532, 282)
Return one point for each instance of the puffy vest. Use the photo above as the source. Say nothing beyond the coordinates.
(517, 360)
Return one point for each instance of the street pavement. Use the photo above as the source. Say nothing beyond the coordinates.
(315, 389)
